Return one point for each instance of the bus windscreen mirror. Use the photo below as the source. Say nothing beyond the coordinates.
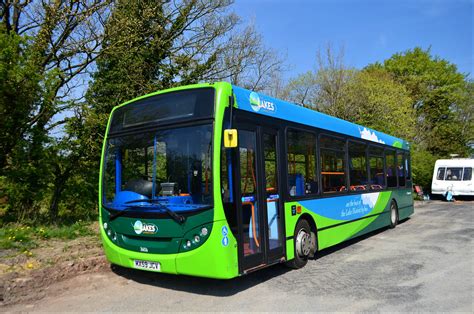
(230, 138)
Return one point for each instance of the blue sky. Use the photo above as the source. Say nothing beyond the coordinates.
(368, 30)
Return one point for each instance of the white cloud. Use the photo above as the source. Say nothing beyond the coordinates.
(366, 134)
(370, 199)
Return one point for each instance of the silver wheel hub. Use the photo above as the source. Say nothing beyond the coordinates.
(303, 243)
(393, 215)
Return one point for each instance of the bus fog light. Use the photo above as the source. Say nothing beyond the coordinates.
(197, 239)
(109, 233)
(105, 225)
(204, 232)
(188, 244)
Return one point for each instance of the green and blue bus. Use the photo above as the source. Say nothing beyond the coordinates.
(214, 180)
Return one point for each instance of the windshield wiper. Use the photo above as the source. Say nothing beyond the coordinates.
(122, 212)
(176, 217)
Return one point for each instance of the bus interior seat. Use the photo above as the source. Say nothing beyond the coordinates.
(296, 183)
(140, 186)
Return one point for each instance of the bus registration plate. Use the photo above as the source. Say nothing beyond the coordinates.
(155, 266)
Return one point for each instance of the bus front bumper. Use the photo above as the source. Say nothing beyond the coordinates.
(212, 259)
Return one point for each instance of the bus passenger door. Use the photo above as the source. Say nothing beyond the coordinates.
(271, 195)
(258, 201)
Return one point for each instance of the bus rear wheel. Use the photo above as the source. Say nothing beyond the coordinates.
(393, 214)
(303, 245)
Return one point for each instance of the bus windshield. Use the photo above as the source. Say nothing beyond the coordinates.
(171, 166)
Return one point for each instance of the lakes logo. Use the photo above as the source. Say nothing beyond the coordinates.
(258, 104)
(145, 228)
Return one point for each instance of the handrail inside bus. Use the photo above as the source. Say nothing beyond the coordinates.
(254, 228)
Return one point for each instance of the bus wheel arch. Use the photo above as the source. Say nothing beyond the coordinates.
(304, 242)
(314, 233)
(394, 214)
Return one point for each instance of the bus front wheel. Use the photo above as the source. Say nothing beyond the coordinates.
(303, 245)
(393, 214)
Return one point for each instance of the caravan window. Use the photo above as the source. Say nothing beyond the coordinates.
(440, 175)
(453, 174)
(467, 176)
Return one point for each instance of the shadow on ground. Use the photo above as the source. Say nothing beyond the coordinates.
(222, 287)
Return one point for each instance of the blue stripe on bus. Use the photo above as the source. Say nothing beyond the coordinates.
(269, 106)
(348, 207)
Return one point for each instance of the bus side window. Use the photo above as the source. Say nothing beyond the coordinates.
(391, 170)
(401, 169)
(301, 163)
(377, 172)
(357, 166)
(407, 167)
(333, 164)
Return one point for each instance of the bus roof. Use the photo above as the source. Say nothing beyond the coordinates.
(261, 104)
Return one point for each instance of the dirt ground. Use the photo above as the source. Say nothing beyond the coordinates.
(26, 277)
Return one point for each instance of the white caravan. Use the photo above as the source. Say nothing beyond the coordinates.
(453, 175)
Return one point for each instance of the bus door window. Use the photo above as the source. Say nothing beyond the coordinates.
(377, 173)
(271, 190)
(391, 171)
(301, 163)
(227, 189)
(248, 186)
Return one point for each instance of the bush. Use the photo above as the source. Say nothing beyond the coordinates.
(24, 237)
(422, 168)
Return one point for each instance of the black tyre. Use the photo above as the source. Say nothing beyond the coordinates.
(393, 214)
(303, 245)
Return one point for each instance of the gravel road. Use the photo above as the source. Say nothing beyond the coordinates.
(425, 264)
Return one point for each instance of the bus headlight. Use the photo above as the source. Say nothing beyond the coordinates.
(195, 237)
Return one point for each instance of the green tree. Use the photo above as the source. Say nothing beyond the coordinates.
(153, 45)
(20, 90)
(435, 86)
(45, 49)
(372, 98)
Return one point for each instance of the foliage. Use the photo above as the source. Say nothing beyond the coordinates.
(65, 64)
(372, 98)
(435, 87)
(443, 106)
(422, 162)
(369, 97)
(24, 237)
(19, 90)
(303, 90)
(45, 48)
(412, 95)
